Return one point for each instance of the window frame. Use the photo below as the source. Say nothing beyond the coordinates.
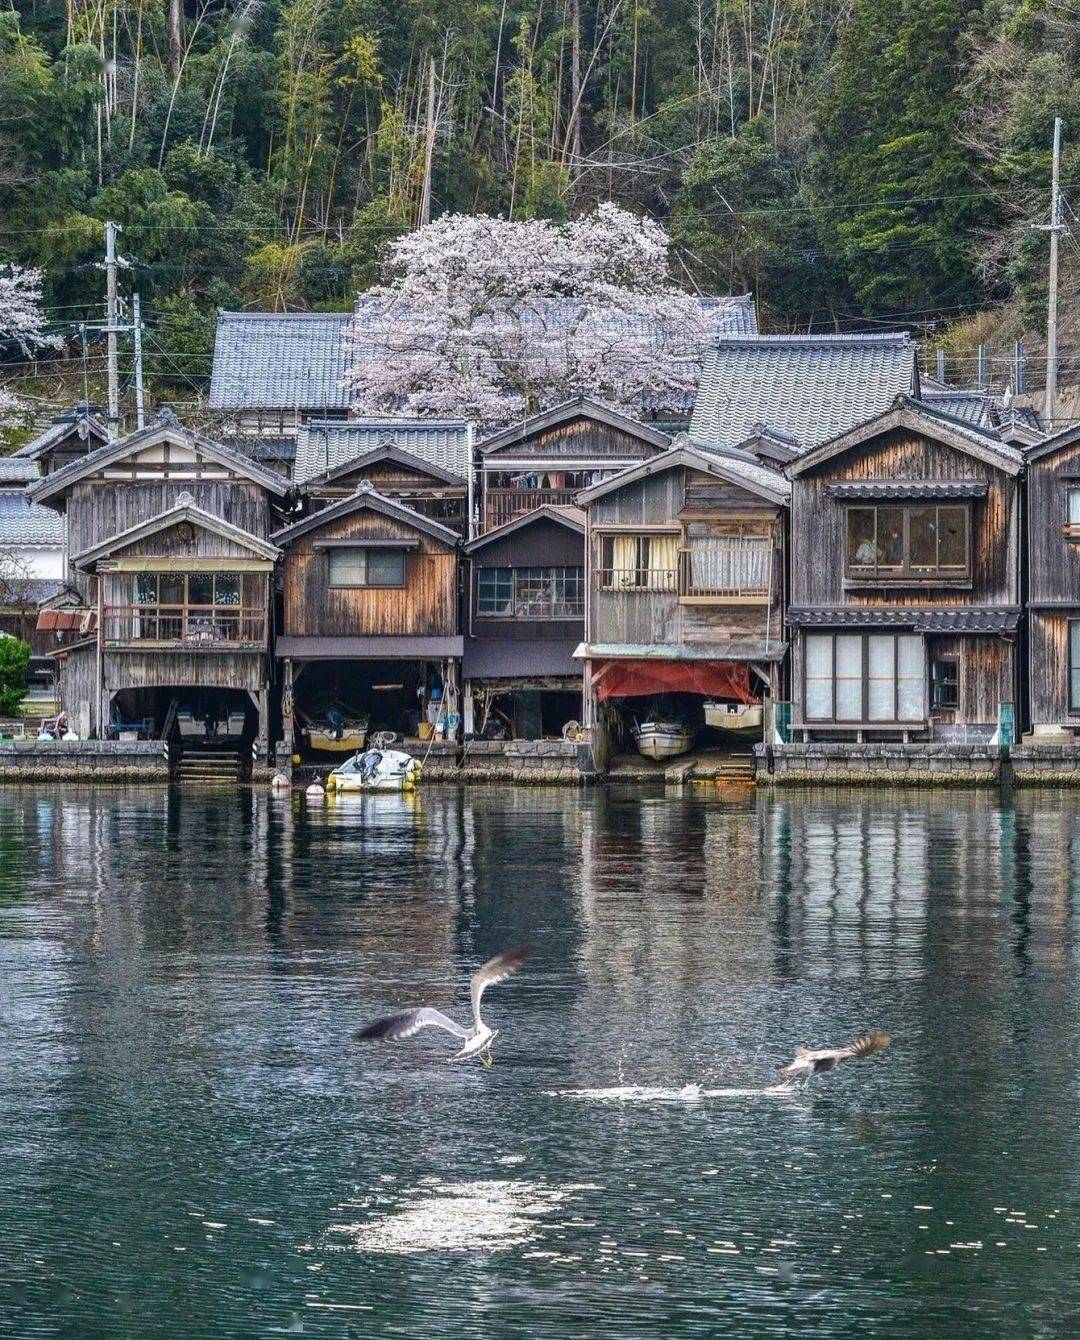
(907, 573)
(895, 722)
(1072, 528)
(646, 578)
(366, 584)
(1074, 667)
(945, 658)
(556, 575)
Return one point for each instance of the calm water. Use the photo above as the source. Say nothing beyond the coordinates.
(191, 1144)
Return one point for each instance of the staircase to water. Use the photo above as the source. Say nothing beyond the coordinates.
(210, 767)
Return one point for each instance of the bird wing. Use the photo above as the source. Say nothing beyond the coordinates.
(394, 1027)
(496, 969)
(866, 1044)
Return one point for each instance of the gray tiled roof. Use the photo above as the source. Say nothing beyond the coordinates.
(810, 387)
(17, 470)
(860, 489)
(322, 446)
(27, 523)
(279, 360)
(926, 619)
(290, 360)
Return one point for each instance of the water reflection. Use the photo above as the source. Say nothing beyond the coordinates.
(193, 1142)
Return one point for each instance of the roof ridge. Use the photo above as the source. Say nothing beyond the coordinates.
(809, 340)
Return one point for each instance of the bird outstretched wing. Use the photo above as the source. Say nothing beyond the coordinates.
(866, 1044)
(496, 969)
(394, 1027)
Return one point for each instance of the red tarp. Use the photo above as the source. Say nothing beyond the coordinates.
(637, 679)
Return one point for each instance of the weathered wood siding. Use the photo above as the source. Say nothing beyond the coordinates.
(427, 606)
(697, 506)
(1053, 575)
(578, 439)
(390, 478)
(225, 669)
(78, 688)
(1048, 681)
(985, 667)
(817, 525)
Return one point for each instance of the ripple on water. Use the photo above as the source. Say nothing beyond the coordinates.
(483, 1216)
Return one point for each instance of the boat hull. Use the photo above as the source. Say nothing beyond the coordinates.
(376, 770)
(736, 719)
(352, 740)
(662, 741)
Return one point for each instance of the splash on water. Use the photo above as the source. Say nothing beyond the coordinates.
(488, 1216)
(689, 1093)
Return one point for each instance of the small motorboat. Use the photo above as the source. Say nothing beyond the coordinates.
(376, 770)
(737, 718)
(336, 732)
(659, 738)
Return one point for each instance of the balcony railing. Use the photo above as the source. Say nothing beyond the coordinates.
(501, 505)
(192, 626)
(637, 579)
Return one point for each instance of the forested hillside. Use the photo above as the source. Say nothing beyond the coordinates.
(852, 162)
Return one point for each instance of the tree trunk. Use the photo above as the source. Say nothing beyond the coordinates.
(575, 81)
(176, 37)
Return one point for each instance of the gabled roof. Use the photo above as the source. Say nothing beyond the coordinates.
(907, 412)
(732, 468)
(573, 518)
(299, 360)
(366, 497)
(770, 443)
(164, 428)
(79, 422)
(389, 451)
(579, 408)
(184, 510)
(280, 361)
(1067, 437)
(325, 444)
(809, 387)
(26, 523)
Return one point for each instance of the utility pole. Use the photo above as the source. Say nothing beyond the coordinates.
(136, 326)
(1055, 229)
(112, 317)
(429, 147)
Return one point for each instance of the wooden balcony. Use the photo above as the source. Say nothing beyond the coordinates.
(502, 505)
(632, 580)
(191, 627)
(733, 572)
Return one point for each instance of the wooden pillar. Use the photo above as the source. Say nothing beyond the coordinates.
(467, 708)
(287, 707)
(264, 723)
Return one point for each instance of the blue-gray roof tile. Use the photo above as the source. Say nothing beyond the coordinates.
(322, 446)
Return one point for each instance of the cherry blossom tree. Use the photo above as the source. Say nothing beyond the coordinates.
(22, 321)
(486, 319)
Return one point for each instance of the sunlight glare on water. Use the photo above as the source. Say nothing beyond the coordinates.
(194, 1144)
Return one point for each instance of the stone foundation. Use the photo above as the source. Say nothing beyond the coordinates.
(522, 762)
(936, 764)
(83, 760)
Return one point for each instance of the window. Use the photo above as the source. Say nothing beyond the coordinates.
(367, 567)
(194, 607)
(945, 684)
(735, 565)
(1074, 665)
(864, 677)
(638, 562)
(1073, 495)
(192, 588)
(911, 542)
(531, 593)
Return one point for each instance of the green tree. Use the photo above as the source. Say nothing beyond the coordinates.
(14, 660)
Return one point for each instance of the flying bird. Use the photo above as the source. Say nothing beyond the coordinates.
(477, 1037)
(808, 1063)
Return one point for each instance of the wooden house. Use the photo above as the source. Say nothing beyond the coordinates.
(686, 564)
(370, 616)
(1053, 585)
(168, 550)
(525, 617)
(905, 585)
(427, 487)
(547, 459)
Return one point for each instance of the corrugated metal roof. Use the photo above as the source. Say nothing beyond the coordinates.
(323, 445)
(292, 360)
(809, 387)
(27, 523)
(683, 651)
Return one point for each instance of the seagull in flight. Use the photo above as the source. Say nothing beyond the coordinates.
(809, 1063)
(477, 1037)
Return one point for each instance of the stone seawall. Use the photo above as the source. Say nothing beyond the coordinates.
(522, 762)
(936, 764)
(83, 760)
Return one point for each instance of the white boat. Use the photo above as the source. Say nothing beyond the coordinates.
(376, 770)
(739, 718)
(662, 739)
